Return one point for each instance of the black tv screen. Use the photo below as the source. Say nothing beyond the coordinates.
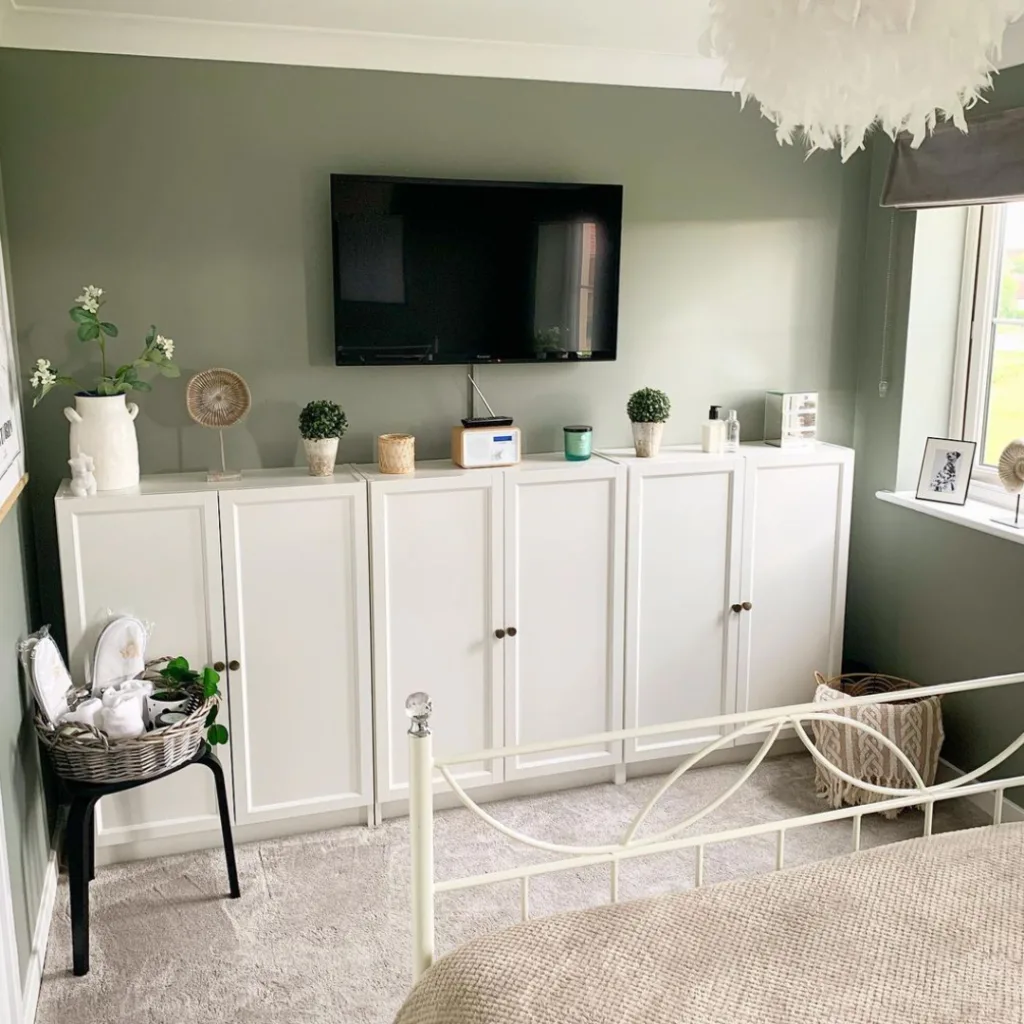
(474, 271)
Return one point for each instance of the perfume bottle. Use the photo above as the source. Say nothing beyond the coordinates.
(732, 433)
(712, 431)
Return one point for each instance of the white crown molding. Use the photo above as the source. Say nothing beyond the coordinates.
(44, 28)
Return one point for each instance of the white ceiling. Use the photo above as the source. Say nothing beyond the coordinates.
(620, 42)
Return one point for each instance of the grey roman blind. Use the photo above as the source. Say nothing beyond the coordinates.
(985, 165)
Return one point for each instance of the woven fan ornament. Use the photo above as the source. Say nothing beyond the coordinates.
(218, 398)
(1011, 476)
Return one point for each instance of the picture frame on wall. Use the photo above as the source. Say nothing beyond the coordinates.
(946, 470)
(12, 454)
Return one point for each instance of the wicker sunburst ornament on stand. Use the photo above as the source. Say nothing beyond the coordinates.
(1011, 476)
(218, 398)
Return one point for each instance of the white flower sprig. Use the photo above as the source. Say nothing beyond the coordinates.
(89, 300)
(44, 377)
(156, 354)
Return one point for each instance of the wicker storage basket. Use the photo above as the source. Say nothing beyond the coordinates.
(85, 754)
(396, 453)
(914, 725)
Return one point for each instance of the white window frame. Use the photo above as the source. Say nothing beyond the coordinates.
(972, 371)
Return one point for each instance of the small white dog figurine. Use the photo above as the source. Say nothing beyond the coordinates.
(83, 483)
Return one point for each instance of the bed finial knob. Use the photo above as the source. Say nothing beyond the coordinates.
(418, 709)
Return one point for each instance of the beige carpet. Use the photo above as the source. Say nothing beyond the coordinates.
(321, 934)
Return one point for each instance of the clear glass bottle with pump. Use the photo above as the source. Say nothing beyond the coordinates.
(732, 433)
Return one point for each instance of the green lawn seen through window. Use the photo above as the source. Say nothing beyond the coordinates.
(1006, 398)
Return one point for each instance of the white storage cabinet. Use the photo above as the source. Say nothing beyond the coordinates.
(736, 583)
(501, 593)
(268, 580)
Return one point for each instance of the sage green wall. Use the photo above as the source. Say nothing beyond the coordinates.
(21, 786)
(928, 600)
(197, 194)
(21, 783)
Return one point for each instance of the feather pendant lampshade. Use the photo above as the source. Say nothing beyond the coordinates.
(829, 70)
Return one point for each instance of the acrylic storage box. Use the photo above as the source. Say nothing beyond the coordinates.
(791, 418)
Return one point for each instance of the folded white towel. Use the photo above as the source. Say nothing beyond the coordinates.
(122, 719)
(87, 713)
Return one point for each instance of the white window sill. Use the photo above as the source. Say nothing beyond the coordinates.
(975, 515)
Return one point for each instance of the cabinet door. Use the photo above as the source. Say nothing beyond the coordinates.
(564, 597)
(156, 557)
(297, 594)
(797, 524)
(684, 560)
(437, 592)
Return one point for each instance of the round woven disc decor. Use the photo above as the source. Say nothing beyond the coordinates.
(217, 398)
(1011, 466)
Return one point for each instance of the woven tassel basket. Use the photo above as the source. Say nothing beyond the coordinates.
(914, 725)
(85, 754)
(396, 453)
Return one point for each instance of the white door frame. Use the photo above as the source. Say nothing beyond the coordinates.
(10, 972)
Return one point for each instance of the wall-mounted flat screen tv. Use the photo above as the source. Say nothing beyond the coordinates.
(444, 271)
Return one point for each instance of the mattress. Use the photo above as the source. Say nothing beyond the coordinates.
(929, 931)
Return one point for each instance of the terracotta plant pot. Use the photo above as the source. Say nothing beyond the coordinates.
(647, 439)
(321, 455)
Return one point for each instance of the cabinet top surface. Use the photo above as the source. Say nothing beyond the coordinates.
(754, 449)
(433, 468)
(184, 483)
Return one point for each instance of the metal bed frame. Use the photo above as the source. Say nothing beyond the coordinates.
(425, 771)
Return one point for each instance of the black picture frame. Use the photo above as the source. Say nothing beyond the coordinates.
(946, 468)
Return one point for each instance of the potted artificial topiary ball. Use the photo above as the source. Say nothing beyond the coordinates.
(321, 425)
(648, 410)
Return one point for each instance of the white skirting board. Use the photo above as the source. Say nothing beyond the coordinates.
(40, 939)
(984, 801)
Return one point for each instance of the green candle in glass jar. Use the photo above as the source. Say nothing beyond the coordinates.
(578, 439)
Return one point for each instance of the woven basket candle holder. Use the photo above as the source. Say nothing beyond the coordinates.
(396, 453)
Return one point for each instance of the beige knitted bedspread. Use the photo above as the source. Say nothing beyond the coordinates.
(924, 932)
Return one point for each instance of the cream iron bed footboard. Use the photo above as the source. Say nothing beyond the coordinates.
(426, 771)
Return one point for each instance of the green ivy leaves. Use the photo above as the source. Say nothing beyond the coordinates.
(179, 672)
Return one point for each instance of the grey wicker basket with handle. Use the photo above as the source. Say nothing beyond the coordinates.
(85, 754)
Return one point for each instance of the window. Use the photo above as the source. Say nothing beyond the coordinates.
(989, 401)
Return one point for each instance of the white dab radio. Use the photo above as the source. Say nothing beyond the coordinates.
(484, 441)
(479, 447)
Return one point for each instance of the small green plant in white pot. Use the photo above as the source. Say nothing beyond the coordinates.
(322, 425)
(648, 410)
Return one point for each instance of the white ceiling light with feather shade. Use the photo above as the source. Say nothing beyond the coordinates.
(830, 70)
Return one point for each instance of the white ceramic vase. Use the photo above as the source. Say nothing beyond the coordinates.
(321, 455)
(103, 426)
(647, 439)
